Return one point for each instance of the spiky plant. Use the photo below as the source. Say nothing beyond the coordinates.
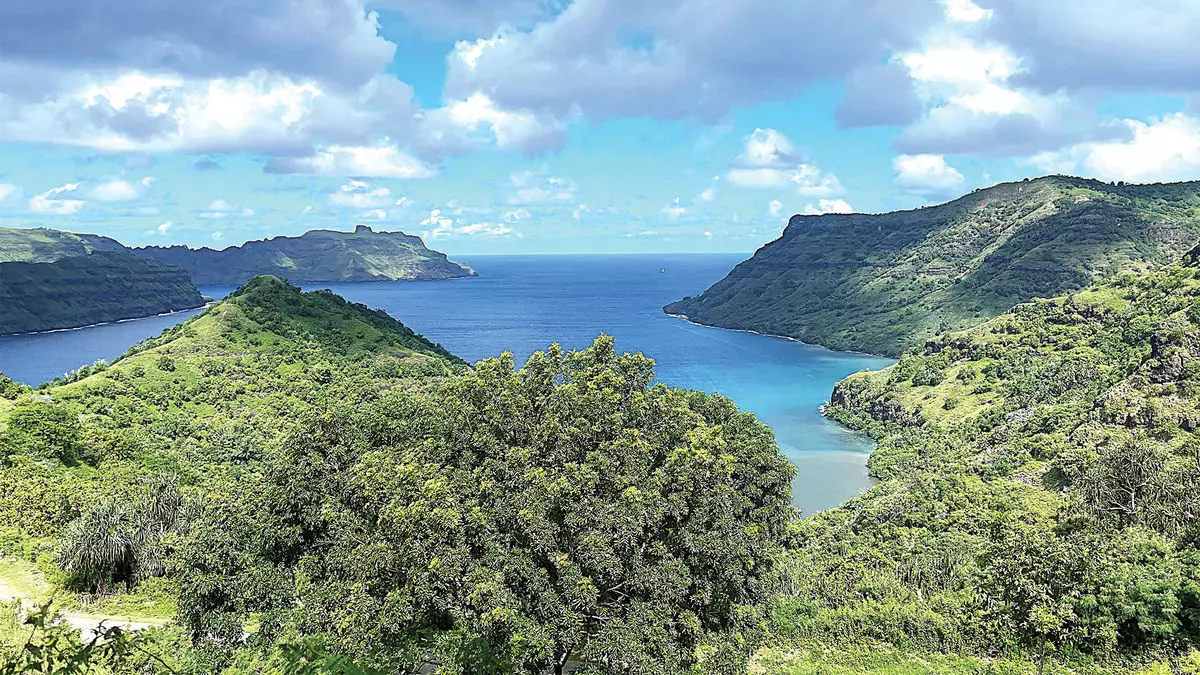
(100, 547)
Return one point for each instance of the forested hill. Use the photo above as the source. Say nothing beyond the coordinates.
(1041, 486)
(86, 289)
(315, 256)
(882, 283)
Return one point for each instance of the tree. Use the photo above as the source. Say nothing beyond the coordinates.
(568, 511)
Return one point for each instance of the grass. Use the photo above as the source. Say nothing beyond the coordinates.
(858, 659)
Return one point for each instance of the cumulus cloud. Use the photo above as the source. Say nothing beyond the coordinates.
(603, 59)
(381, 161)
(775, 207)
(477, 119)
(674, 210)
(1163, 149)
(223, 210)
(8, 190)
(534, 188)
(120, 190)
(360, 195)
(828, 206)
(770, 160)
(441, 225)
(927, 175)
(57, 201)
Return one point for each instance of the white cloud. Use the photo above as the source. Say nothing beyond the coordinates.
(118, 190)
(828, 206)
(517, 215)
(375, 214)
(56, 201)
(8, 190)
(775, 207)
(441, 225)
(965, 11)
(928, 175)
(511, 130)
(360, 195)
(770, 160)
(533, 188)
(674, 210)
(162, 229)
(1162, 149)
(217, 236)
(223, 210)
(605, 59)
(381, 161)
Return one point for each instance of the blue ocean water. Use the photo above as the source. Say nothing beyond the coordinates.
(523, 303)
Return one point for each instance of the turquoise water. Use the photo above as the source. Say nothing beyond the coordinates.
(523, 303)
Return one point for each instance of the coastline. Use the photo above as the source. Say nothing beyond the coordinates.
(206, 305)
(692, 321)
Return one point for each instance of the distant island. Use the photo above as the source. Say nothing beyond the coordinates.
(882, 283)
(314, 257)
(50, 279)
(81, 290)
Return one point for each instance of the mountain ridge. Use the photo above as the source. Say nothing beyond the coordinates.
(928, 270)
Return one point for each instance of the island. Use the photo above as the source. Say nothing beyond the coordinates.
(314, 257)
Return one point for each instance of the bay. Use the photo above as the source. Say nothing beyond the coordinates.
(523, 303)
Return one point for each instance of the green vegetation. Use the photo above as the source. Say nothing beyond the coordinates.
(880, 283)
(39, 244)
(315, 488)
(1041, 488)
(86, 289)
(315, 256)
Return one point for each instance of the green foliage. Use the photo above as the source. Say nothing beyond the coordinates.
(508, 520)
(884, 283)
(1041, 495)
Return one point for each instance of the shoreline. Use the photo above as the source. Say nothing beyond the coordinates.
(206, 305)
(789, 338)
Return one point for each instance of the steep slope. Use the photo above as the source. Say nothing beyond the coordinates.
(86, 289)
(44, 245)
(316, 256)
(881, 283)
(1040, 485)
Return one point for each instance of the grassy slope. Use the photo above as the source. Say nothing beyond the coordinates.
(44, 245)
(1043, 417)
(880, 283)
(316, 256)
(204, 400)
(87, 289)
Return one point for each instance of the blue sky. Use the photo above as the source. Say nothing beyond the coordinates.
(511, 126)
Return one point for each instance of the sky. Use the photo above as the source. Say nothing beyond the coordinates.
(567, 126)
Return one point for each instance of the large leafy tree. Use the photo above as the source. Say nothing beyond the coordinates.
(522, 519)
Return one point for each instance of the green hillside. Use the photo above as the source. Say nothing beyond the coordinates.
(1040, 489)
(87, 289)
(44, 245)
(289, 475)
(881, 283)
(315, 256)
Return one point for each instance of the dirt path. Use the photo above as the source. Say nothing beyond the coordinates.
(20, 580)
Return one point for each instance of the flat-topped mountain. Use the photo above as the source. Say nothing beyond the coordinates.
(881, 283)
(315, 256)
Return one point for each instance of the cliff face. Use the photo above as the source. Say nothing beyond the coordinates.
(316, 256)
(882, 283)
(87, 289)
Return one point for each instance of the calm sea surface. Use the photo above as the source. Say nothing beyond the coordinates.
(523, 303)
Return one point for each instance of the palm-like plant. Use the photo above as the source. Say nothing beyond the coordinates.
(100, 547)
